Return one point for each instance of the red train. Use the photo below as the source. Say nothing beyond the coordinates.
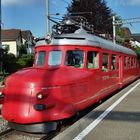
(70, 72)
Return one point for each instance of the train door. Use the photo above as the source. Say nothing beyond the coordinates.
(114, 71)
(121, 70)
(93, 66)
(105, 75)
(110, 73)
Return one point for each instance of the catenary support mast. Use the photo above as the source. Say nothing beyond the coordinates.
(47, 17)
(123, 21)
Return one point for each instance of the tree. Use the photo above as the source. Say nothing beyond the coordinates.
(100, 17)
(22, 50)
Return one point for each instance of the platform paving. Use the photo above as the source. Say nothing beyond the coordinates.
(121, 123)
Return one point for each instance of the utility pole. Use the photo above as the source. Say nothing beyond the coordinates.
(47, 17)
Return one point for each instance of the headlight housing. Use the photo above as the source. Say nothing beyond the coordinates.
(39, 96)
(1, 93)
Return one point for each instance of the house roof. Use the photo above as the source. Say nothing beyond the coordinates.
(127, 32)
(25, 34)
(10, 34)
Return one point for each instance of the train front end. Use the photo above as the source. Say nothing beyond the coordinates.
(36, 99)
(28, 102)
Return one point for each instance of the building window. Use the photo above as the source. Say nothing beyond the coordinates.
(105, 62)
(92, 60)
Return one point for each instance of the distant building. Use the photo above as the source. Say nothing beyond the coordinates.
(13, 38)
(27, 39)
(131, 40)
(136, 37)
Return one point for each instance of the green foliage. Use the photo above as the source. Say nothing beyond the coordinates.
(3, 77)
(138, 49)
(9, 62)
(22, 49)
(25, 60)
(12, 64)
(101, 16)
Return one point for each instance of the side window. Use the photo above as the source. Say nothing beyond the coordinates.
(92, 60)
(113, 62)
(75, 58)
(125, 62)
(132, 63)
(135, 62)
(105, 62)
(128, 62)
(40, 61)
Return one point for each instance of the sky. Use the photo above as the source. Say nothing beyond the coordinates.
(31, 14)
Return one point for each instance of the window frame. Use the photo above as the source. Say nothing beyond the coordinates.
(93, 63)
(83, 60)
(37, 58)
(49, 57)
(103, 67)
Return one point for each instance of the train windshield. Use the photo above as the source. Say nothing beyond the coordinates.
(40, 61)
(75, 58)
(55, 58)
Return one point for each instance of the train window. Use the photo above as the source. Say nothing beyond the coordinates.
(92, 60)
(40, 61)
(125, 62)
(135, 62)
(129, 62)
(55, 58)
(113, 62)
(132, 62)
(105, 62)
(75, 58)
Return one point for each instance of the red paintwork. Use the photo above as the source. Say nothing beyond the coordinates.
(66, 89)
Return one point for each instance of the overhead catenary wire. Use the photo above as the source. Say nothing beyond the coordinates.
(65, 2)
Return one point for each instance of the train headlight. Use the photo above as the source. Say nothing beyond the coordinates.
(40, 96)
(1, 93)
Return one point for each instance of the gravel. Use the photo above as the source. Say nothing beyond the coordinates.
(3, 124)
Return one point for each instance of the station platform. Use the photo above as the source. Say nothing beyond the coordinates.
(118, 118)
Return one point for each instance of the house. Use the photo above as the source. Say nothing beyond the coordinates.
(136, 37)
(27, 39)
(13, 38)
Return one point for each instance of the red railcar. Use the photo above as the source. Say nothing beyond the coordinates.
(70, 73)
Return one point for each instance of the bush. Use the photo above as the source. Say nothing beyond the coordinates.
(25, 60)
(9, 63)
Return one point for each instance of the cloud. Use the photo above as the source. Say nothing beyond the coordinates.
(134, 2)
(127, 2)
(16, 2)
